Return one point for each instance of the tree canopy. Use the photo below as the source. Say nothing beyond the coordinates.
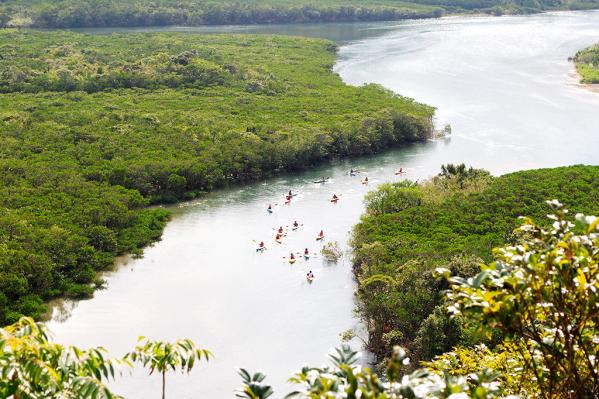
(107, 13)
(452, 221)
(95, 128)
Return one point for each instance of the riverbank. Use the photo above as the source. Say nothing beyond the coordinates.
(137, 13)
(95, 128)
(451, 221)
(577, 78)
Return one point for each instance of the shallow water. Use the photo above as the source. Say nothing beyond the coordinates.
(505, 86)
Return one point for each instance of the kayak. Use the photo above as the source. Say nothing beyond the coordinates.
(306, 257)
(364, 181)
(279, 240)
(295, 228)
(292, 261)
(334, 200)
(321, 180)
(399, 173)
(260, 249)
(269, 210)
(318, 238)
(310, 279)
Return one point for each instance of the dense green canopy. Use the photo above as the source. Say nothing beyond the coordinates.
(93, 128)
(99, 13)
(453, 221)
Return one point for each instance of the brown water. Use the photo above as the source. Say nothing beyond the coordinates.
(505, 86)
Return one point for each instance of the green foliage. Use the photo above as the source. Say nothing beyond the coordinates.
(587, 64)
(452, 221)
(345, 379)
(90, 13)
(77, 169)
(162, 356)
(465, 361)
(331, 252)
(32, 367)
(252, 387)
(542, 295)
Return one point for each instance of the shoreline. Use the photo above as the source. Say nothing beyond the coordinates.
(576, 77)
(417, 17)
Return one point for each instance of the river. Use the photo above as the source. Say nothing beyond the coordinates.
(505, 86)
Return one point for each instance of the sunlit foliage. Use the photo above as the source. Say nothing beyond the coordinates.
(587, 64)
(542, 294)
(162, 356)
(33, 367)
(452, 221)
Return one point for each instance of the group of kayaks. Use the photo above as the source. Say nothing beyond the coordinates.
(292, 258)
(281, 233)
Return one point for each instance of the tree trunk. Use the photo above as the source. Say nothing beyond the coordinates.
(164, 384)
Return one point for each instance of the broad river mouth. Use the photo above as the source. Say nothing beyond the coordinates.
(505, 86)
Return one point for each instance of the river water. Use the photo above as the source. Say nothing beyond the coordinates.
(505, 86)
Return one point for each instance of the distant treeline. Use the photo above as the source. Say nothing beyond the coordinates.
(452, 221)
(112, 13)
(95, 127)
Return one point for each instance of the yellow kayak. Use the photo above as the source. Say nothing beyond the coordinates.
(292, 261)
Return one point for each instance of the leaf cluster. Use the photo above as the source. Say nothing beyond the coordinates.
(453, 221)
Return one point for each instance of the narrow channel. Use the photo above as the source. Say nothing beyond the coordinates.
(512, 103)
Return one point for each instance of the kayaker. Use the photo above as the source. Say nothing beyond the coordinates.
(321, 234)
(295, 224)
(269, 207)
(289, 194)
(306, 252)
(278, 236)
(335, 198)
(288, 198)
(292, 256)
(261, 245)
(281, 230)
(310, 275)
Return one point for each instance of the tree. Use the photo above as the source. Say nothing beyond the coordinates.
(252, 387)
(32, 367)
(344, 378)
(163, 356)
(542, 294)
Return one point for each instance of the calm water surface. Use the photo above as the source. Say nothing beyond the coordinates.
(505, 86)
